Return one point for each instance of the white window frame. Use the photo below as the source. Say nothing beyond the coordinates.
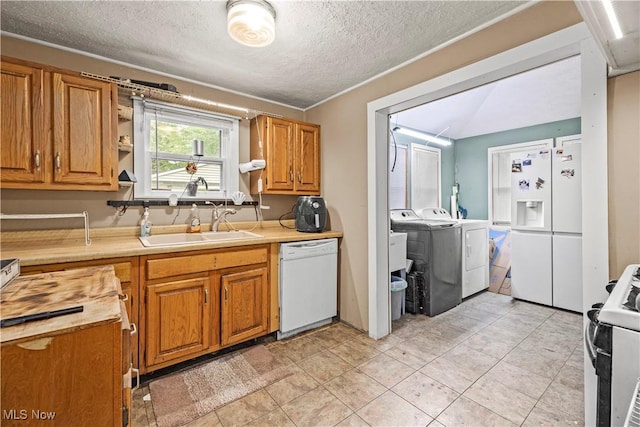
(509, 148)
(144, 111)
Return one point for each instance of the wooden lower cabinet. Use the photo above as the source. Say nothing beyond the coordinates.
(178, 319)
(71, 370)
(201, 301)
(66, 383)
(187, 304)
(245, 306)
(126, 270)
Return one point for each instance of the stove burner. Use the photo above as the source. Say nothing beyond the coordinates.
(631, 299)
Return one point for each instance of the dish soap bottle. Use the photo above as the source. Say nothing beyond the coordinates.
(194, 225)
(145, 224)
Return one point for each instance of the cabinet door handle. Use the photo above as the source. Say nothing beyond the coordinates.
(124, 297)
(206, 296)
(226, 293)
(58, 165)
(37, 159)
(300, 177)
(134, 329)
(137, 372)
(291, 174)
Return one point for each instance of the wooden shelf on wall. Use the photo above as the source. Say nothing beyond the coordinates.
(148, 203)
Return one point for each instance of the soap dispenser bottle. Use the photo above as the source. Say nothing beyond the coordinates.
(194, 224)
(145, 224)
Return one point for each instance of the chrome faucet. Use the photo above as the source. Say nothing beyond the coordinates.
(220, 216)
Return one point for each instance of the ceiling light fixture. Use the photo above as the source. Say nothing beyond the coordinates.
(423, 136)
(251, 22)
(613, 19)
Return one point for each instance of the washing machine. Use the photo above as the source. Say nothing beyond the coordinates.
(475, 250)
(435, 246)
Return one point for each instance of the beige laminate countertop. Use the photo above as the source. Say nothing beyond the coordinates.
(38, 248)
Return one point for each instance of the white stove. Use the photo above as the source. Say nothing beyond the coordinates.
(612, 340)
(621, 308)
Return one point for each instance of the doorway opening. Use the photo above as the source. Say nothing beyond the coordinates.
(564, 44)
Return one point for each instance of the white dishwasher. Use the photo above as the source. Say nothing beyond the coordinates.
(308, 285)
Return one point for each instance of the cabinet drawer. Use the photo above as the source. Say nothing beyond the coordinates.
(239, 258)
(122, 269)
(201, 262)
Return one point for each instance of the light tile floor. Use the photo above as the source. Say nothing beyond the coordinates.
(492, 361)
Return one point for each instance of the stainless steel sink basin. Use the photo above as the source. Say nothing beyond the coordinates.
(179, 239)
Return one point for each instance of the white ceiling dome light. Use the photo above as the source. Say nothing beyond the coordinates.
(251, 22)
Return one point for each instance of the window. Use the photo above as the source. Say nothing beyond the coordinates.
(163, 136)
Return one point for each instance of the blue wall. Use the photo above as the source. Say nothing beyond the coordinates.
(471, 162)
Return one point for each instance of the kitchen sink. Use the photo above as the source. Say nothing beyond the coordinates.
(229, 235)
(179, 239)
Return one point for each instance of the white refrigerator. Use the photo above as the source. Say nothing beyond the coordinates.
(546, 223)
(566, 223)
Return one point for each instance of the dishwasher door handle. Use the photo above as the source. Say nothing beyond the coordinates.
(308, 244)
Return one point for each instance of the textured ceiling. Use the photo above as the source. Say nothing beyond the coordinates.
(322, 47)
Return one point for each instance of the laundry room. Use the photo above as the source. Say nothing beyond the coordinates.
(452, 161)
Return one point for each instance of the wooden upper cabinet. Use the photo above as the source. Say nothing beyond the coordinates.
(82, 120)
(23, 134)
(58, 129)
(280, 138)
(292, 152)
(308, 159)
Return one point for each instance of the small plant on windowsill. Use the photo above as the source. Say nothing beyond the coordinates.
(192, 186)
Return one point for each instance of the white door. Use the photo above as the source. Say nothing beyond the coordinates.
(531, 266)
(425, 177)
(567, 271)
